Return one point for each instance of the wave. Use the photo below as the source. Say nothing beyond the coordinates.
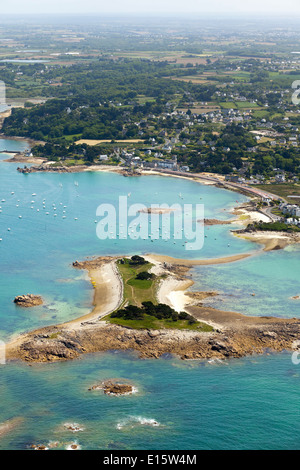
(73, 446)
(134, 421)
(73, 427)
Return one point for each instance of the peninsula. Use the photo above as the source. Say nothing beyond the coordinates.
(191, 331)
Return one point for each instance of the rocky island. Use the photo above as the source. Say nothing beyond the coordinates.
(111, 387)
(28, 300)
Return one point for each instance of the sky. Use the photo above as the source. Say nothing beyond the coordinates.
(270, 7)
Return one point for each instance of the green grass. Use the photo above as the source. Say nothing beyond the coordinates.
(277, 227)
(137, 291)
(150, 322)
(260, 113)
(246, 104)
(228, 105)
(283, 190)
(237, 105)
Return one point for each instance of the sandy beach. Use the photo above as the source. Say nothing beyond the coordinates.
(108, 291)
(271, 240)
(19, 158)
(171, 291)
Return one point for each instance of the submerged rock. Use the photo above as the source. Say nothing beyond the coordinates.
(73, 427)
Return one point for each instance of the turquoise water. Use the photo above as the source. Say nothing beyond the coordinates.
(248, 403)
(38, 250)
(274, 278)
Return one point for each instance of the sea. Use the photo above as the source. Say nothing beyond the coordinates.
(49, 220)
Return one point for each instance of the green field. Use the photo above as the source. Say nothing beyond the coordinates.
(283, 190)
(237, 105)
(137, 291)
(246, 104)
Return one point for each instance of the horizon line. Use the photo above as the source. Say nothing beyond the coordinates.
(157, 14)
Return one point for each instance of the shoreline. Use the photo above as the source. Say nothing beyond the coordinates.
(108, 290)
(245, 212)
(234, 335)
(271, 241)
(22, 139)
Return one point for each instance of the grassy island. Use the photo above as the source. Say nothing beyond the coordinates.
(140, 309)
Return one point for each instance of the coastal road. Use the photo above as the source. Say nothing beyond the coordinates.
(216, 180)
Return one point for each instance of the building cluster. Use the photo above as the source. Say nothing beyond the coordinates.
(291, 213)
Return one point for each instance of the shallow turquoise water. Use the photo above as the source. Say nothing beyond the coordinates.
(37, 252)
(274, 278)
(240, 404)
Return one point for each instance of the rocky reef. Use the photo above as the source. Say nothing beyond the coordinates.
(28, 300)
(234, 336)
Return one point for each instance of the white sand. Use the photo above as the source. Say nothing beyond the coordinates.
(171, 291)
(108, 294)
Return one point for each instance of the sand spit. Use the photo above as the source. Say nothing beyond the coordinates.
(199, 262)
(108, 288)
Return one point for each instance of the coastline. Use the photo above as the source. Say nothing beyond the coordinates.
(17, 138)
(270, 240)
(108, 289)
(234, 335)
(246, 211)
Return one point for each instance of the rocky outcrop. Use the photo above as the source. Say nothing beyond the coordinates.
(114, 388)
(156, 210)
(235, 338)
(52, 169)
(197, 296)
(216, 222)
(28, 300)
